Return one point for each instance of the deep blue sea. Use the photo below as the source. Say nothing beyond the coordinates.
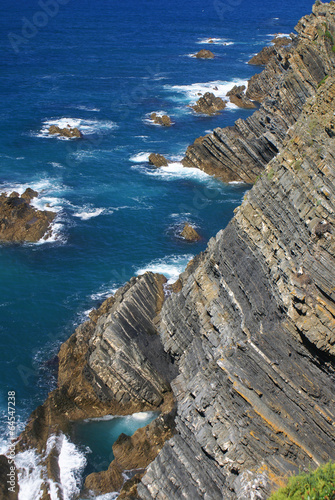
(104, 66)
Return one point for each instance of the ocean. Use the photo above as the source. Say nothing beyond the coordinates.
(105, 66)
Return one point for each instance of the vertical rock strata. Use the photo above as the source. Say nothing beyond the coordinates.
(241, 152)
(253, 330)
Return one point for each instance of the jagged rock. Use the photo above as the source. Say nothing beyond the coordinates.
(6, 474)
(164, 120)
(158, 160)
(264, 56)
(19, 221)
(237, 96)
(208, 104)
(189, 233)
(253, 333)
(204, 54)
(71, 133)
(241, 152)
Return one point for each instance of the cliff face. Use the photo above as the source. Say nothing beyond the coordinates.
(253, 329)
(241, 152)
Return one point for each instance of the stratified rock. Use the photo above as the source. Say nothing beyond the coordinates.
(204, 54)
(241, 152)
(189, 233)
(208, 104)
(164, 120)
(264, 56)
(19, 221)
(158, 160)
(237, 96)
(253, 333)
(71, 133)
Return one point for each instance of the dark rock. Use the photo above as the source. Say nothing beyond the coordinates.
(267, 53)
(237, 96)
(189, 233)
(204, 54)
(164, 120)
(19, 221)
(71, 133)
(5, 476)
(209, 104)
(158, 160)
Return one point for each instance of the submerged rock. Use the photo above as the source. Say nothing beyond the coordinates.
(204, 54)
(208, 104)
(189, 233)
(19, 221)
(71, 133)
(158, 160)
(164, 120)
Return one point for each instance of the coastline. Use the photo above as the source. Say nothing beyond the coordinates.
(207, 287)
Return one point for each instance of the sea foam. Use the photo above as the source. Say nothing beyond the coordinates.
(171, 266)
(87, 127)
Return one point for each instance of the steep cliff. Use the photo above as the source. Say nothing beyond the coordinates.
(253, 329)
(291, 76)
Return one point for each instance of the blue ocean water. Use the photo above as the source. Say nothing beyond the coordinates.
(104, 66)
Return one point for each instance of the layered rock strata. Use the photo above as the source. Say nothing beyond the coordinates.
(241, 152)
(208, 104)
(253, 330)
(20, 221)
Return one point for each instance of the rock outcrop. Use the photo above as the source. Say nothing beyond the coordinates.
(264, 56)
(70, 133)
(189, 233)
(237, 96)
(208, 104)
(20, 221)
(253, 330)
(204, 54)
(158, 160)
(163, 120)
(241, 152)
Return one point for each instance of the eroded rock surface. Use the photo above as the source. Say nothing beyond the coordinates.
(158, 160)
(20, 221)
(253, 330)
(237, 96)
(204, 54)
(70, 133)
(189, 233)
(208, 104)
(163, 120)
(242, 152)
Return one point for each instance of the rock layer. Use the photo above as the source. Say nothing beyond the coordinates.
(19, 221)
(241, 152)
(208, 104)
(253, 330)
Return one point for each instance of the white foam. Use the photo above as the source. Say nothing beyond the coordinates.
(87, 127)
(191, 93)
(279, 35)
(174, 171)
(171, 266)
(140, 157)
(215, 41)
(87, 108)
(104, 294)
(86, 214)
(71, 463)
(144, 415)
(30, 475)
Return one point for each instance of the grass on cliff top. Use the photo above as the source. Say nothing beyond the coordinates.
(317, 485)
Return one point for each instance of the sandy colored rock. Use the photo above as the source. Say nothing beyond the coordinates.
(237, 96)
(208, 104)
(164, 120)
(71, 133)
(204, 54)
(189, 233)
(158, 160)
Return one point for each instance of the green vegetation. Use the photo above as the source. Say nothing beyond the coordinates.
(323, 80)
(317, 485)
(297, 165)
(270, 173)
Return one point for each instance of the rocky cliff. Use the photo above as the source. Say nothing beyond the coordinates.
(253, 330)
(246, 338)
(293, 72)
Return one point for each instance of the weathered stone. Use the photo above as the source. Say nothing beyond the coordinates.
(237, 96)
(158, 160)
(71, 133)
(189, 233)
(19, 221)
(208, 104)
(164, 120)
(204, 54)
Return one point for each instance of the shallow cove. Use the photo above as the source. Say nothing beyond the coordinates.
(99, 435)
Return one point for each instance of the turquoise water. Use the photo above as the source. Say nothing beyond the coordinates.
(105, 66)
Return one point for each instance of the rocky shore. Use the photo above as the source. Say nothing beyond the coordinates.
(20, 221)
(238, 356)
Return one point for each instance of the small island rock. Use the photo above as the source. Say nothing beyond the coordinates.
(204, 54)
(71, 133)
(158, 160)
(189, 233)
(209, 104)
(163, 120)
